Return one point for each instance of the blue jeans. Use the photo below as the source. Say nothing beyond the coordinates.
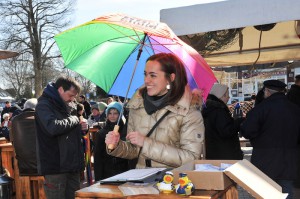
(62, 186)
(287, 187)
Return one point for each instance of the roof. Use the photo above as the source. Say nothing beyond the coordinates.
(281, 43)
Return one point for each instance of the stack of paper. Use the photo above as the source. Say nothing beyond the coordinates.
(130, 188)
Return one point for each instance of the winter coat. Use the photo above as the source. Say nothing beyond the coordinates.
(59, 135)
(87, 109)
(273, 128)
(176, 140)
(23, 137)
(294, 94)
(221, 131)
(106, 165)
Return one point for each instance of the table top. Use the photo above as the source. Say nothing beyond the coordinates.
(7, 146)
(112, 191)
(3, 140)
(93, 129)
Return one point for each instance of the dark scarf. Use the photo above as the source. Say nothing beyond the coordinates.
(51, 92)
(154, 103)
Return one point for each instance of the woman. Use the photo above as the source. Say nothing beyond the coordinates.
(221, 130)
(106, 165)
(178, 138)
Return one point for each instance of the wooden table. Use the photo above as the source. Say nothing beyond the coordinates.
(112, 191)
(7, 155)
(3, 140)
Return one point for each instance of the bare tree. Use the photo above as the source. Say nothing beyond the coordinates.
(17, 75)
(87, 85)
(28, 26)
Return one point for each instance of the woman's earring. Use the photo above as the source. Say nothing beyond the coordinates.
(168, 86)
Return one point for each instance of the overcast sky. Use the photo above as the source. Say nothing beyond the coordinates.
(87, 10)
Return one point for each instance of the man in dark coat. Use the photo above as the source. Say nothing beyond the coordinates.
(23, 137)
(59, 133)
(87, 106)
(273, 128)
(221, 130)
(294, 96)
(294, 93)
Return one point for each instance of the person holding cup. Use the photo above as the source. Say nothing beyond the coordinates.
(60, 156)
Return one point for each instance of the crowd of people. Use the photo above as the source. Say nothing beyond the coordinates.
(165, 125)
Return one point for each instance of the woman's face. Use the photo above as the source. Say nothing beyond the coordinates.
(109, 100)
(113, 115)
(155, 80)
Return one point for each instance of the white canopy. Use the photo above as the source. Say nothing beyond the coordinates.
(281, 43)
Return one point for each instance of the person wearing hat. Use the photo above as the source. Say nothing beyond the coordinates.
(273, 129)
(221, 130)
(22, 102)
(294, 96)
(97, 113)
(106, 165)
(87, 106)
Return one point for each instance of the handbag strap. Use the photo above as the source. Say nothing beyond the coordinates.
(157, 123)
(152, 129)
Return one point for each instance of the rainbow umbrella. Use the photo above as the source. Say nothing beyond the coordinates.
(111, 51)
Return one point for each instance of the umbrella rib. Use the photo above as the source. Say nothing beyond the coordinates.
(151, 45)
(139, 40)
(125, 34)
(128, 36)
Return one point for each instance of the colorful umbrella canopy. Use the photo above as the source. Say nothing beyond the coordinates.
(105, 51)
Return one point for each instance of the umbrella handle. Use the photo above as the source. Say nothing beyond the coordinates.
(116, 130)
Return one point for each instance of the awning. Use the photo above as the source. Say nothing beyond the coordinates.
(280, 43)
(4, 54)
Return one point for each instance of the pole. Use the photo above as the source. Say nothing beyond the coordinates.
(116, 128)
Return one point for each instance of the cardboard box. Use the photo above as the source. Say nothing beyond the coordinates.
(254, 181)
(212, 180)
(242, 172)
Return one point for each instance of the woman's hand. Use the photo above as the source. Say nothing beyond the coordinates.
(136, 138)
(112, 138)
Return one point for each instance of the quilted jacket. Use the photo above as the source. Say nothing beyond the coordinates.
(176, 140)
